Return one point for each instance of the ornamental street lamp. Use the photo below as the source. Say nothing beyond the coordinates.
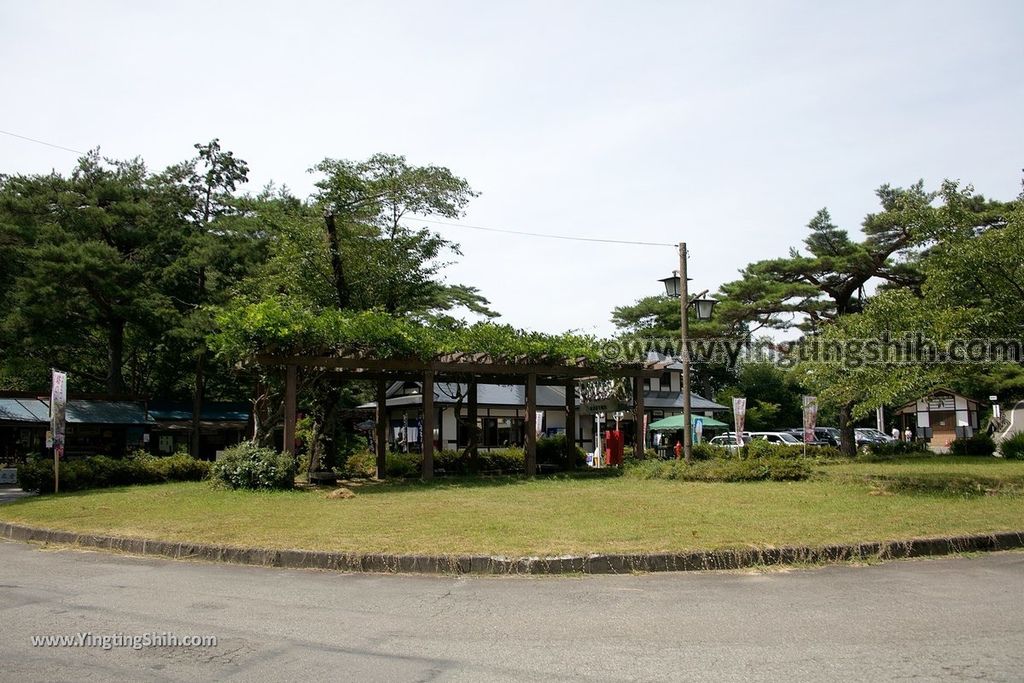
(676, 286)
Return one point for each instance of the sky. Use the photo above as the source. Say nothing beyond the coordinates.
(724, 125)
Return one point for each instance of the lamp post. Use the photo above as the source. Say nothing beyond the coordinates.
(676, 286)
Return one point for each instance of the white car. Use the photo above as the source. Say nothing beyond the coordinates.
(729, 441)
(784, 438)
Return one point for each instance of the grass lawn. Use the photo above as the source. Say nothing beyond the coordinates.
(551, 516)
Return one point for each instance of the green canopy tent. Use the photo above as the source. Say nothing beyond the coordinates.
(675, 422)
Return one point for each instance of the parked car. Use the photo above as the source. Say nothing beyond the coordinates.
(877, 436)
(776, 437)
(821, 438)
(728, 440)
(866, 437)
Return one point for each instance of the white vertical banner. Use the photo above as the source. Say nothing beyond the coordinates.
(643, 433)
(739, 414)
(540, 421)
(58, 421)
(810, 417)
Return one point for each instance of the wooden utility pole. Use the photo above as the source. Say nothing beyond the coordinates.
(684, 304)
(427, 434)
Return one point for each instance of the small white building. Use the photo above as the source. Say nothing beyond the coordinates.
(940, 417)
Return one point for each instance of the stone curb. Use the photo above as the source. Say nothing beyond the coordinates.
(484, 564)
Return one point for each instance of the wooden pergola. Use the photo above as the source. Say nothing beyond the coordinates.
(459, 368)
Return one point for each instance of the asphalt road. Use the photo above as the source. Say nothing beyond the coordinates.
(950, 618)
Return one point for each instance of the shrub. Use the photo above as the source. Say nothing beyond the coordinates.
(101, 471)
(402, 465)
(508, 460)
(551, 451)
(706, 451)
(768, 468)
(360, 464)
(247, 466)
(979, 444)
(766, 449)
(1013, 447)
(897, 448)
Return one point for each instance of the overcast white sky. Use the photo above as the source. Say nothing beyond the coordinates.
(726, 125)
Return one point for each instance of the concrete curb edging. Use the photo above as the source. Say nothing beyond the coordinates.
(484, 564)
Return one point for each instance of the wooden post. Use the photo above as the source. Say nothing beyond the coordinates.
(684, 356)
(382, 429)
(531, 424)
(473, 434)
(570, 425)
(639, 435)
(290, 389)
(427, 435)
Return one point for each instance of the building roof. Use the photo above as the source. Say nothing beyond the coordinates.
(79, 411)
(23, 410)
(213, 411)
(674, 399)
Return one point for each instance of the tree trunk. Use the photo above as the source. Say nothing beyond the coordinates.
(338, 271)
(473, 432)
(115, 357)
(847, 437)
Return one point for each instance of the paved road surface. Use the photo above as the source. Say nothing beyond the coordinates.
(949, 618)
(10, 493)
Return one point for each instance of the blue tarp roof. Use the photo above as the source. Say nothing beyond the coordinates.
(214, 411)
(79, 411)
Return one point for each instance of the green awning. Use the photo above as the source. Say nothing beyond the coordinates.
(676, 422)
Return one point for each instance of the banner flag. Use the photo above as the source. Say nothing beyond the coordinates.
(739, 412)
(810, 417)
(58, 408)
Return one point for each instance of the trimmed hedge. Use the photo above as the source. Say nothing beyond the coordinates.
(247, 466)
(897, 448)
(979, 444)
(1013, 447)
(722, 470)
(550, 450)
(78, 474)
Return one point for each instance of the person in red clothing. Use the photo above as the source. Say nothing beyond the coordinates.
(679, 450)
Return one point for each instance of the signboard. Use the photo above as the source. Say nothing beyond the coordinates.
(698, 429)
(540, 420)
(58, 421)
(941, 403)
(608, 405)
(739, 413)
(810, 417)
(58, 408)
(643, 434)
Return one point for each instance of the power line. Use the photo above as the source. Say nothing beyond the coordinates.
(42, 142)
(424, 220)
(540, 234)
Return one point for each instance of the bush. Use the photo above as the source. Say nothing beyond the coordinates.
(551, 451)
(402, 465)
(360, 464)
(1013, 447)
(979, 444)
(768, 468)
(897, 448)
(100, 472)
(707, 451)
(247, 466)
(766, 449)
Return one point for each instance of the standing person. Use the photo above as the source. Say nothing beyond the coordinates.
(895, 433)
(679, 450)
(908, 435)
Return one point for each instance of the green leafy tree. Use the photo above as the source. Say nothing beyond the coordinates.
(80, 258)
